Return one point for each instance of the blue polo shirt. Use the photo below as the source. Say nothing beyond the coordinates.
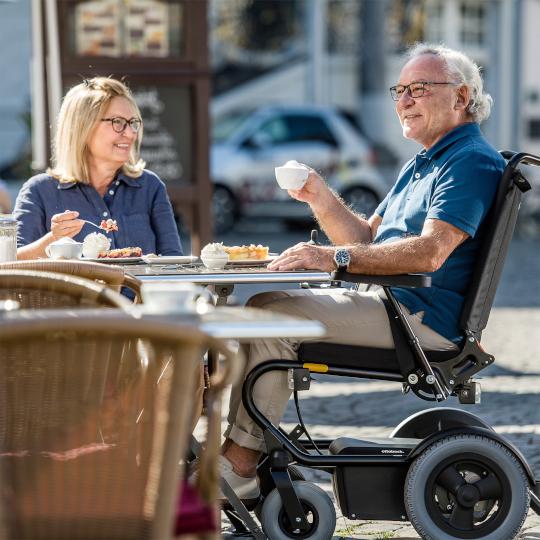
(140, 206)
(454, 181)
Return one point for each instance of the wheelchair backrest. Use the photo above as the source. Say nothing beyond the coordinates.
(498, 230)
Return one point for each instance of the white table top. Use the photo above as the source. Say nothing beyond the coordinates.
(243, 323)
(221, 322)
(234, 275)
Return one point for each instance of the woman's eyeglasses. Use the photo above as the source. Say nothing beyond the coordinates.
(119, 124)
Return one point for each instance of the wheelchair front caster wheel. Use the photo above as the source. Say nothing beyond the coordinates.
(317, 505)
(467, 486)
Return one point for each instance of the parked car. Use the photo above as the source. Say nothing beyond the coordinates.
(248, 144)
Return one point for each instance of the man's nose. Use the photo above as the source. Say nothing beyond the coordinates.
(405, 99)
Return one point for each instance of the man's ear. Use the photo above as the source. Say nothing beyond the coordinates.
(462, 97)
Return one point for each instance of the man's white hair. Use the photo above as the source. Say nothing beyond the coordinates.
(462, 69)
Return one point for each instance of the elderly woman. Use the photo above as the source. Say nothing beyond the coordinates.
(97, 175)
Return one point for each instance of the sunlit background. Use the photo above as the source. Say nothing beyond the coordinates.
(335, 58)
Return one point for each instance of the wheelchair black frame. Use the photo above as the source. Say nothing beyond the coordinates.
(439, 379)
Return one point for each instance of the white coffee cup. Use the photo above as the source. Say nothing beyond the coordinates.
(65, 248)
(175, 297)
(292, 175)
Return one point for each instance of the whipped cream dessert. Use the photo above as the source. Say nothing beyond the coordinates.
(94, 243)
(214, 256)
(215, 249)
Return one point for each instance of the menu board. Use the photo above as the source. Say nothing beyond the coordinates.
(97, 29)
(116, 28)
(147, 32)
(167, 121)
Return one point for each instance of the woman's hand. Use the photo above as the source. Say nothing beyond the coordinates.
(66, 224)
(305, 256)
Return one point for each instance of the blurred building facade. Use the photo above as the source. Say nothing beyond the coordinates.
(348, 52)
(341, 52)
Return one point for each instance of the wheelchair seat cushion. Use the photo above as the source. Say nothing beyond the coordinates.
(351, 356)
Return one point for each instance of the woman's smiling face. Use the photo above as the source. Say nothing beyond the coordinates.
(106, 146)
(442, 107)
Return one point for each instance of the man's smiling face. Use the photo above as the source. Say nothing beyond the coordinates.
(442, 107)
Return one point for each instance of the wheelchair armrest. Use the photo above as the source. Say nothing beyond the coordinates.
(399, 280)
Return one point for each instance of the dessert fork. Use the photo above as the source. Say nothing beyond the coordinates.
(96, 226)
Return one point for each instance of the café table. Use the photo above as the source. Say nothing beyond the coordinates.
(223, 281)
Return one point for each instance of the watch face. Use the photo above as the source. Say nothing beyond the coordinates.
(342, 258)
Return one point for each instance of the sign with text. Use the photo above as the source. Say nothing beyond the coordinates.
(166, 145)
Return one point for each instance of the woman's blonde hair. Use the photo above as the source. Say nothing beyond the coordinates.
(82, 109)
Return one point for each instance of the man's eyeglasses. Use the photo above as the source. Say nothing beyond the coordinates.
(415, 89)
(119, 124)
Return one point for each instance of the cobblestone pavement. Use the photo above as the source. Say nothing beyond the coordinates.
(510, 400)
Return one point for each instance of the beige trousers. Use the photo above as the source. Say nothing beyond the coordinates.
(350, 317)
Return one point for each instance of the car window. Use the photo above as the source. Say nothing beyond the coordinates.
(294, 128)
(224, 127)
(303, 127)
(273, 131)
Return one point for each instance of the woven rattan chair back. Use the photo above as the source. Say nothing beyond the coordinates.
(94, 416)
(113, 276)
(33, 289)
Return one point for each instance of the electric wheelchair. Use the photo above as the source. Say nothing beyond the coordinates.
(443, 469)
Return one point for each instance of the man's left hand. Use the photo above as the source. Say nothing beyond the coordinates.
(305, 256)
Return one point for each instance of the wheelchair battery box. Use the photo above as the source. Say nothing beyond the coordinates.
(374, 489)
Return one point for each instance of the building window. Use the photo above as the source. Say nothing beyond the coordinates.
(534, 128)
(434, 22)
(472, 23)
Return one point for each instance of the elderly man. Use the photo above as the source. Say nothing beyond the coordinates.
(431, 221)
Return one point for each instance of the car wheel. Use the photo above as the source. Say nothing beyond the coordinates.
(361, 200)
(225, 209)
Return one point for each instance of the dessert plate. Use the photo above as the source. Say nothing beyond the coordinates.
(253, 262)
(113, 260)
(170, 259)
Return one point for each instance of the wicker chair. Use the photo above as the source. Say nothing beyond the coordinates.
(33, 289)
(113, 276)
(94, 416)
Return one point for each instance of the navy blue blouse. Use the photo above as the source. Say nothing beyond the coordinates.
(140, 206)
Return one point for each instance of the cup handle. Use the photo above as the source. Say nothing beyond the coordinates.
(48, 251)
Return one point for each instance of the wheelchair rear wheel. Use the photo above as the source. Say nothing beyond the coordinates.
(467, 486)
(317, 505)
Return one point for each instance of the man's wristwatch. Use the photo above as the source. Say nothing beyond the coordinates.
(342, 258)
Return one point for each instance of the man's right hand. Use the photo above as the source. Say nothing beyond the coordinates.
(66, 224)
(314, 192)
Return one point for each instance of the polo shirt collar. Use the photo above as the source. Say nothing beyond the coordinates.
(120, 177)
(465, 130)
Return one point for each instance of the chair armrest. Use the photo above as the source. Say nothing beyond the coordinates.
(399, 280)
